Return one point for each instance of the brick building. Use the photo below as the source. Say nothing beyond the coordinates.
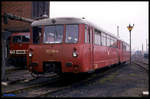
(27, 9)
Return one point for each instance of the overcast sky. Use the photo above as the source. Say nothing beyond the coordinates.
(109, 15)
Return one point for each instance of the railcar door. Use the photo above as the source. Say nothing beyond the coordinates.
(88, 49)
(120, 50)
(91, 47)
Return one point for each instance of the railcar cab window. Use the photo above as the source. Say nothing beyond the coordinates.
(25, 38)
(36, 34)
(53, 34)
(17, 39)
(71, 33)
(21, 39)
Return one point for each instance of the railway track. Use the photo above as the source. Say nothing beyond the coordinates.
(98, 74)
(41, 83)
(141, 62)
(11, 68)
(16, 76)
(56, 83)
(142, 65)
(47, 88)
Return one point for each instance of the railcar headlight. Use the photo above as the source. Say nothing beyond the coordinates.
(12, 51)
(30, 54)
(74, 54)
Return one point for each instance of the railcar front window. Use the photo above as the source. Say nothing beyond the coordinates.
(17, 39)
(71, 33)
(25, 38)
(53, 34)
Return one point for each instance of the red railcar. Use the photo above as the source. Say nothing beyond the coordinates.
(18, 46)
(72, 45)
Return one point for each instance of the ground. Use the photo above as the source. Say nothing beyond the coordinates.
(128, 81)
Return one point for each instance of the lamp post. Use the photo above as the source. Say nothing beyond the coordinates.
(130, 28)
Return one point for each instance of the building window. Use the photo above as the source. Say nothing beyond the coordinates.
(39, 8)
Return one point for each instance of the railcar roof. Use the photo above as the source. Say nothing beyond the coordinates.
(59, 20)
(69, 20)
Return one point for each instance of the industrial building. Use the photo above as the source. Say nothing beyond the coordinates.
(18, 11)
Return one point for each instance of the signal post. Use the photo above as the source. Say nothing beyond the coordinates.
(130, 29)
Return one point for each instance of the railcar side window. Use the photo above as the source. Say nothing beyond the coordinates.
(108, 40)
(123, 46)
(87, 34)
(71, 33)
(111, 43)
(104, 40)
(53, 34)
(97, 37)
(128, 48)
(36, 33)
(115, 43)
(100, 38)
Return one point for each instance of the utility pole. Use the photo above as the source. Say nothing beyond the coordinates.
(146, 45)
(142, 47)
(118, 31)
(130, 28)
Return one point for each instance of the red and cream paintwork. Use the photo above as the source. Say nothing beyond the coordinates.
(89, 56)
